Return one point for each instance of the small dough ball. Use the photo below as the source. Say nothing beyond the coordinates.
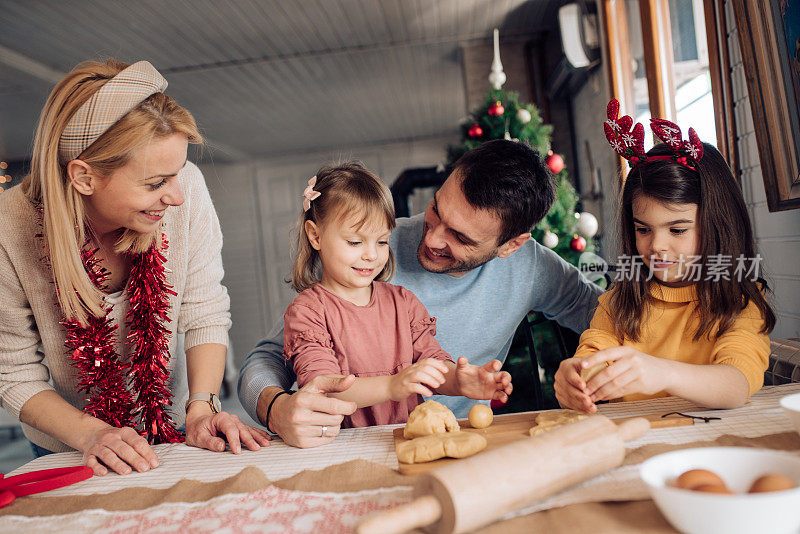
(772, 482)
(480, 416)
(713, 488)
(436, 446)
(698, 477)
(428, 418)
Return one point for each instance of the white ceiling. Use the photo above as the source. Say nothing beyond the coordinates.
(266, 77)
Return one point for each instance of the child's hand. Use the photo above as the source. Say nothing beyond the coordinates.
(570, 388)
(484, 382)
(631, 371)
(412, 380)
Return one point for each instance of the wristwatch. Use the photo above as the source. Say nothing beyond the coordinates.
(210, 398)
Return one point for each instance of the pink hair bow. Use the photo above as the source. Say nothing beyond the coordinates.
(310, 194)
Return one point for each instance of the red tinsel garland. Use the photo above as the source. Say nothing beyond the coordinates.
(102, 374)
(149, 299)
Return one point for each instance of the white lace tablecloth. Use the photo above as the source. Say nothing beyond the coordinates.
(761, 416)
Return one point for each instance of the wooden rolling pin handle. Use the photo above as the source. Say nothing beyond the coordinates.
(633, 428)
(418, 513)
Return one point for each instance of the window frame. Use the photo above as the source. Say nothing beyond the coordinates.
(659, 60)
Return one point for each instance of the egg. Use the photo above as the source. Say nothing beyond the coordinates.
(713, 488)
(698, 477)
(772, 482)
(480, 416)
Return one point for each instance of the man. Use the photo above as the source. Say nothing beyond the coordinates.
(471, 262)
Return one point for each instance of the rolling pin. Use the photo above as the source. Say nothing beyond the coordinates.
(478, 490)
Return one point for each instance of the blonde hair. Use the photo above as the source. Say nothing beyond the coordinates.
(65, 223)
(347, 192)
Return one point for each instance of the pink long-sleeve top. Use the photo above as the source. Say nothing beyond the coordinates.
(326, 334)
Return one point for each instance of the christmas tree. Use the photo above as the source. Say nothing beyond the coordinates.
(564, 229)
(502, 116)
(502, 113)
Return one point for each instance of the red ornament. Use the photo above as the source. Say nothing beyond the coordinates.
(496, 109)
(578, 243)
(555, 162)
(475, 131)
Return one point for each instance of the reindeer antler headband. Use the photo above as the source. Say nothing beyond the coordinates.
(629, 142)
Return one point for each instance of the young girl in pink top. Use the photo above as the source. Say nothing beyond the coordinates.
(348, 320)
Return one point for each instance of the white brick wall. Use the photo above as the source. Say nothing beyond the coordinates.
(777, 234)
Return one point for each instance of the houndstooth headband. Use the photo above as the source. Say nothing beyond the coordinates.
(116, 98)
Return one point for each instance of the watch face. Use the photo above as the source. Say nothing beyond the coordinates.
(216, 404)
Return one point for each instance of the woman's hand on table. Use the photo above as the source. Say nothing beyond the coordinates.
(118, 449)
(570, 388)
(300, 419)
(207, 430)
(629, 371)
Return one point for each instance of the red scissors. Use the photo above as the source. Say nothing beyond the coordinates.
(40, 481)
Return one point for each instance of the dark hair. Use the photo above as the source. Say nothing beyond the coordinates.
(510, 179)
(724, 227)
(349, 193)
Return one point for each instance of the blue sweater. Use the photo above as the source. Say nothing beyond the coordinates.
(476, 314)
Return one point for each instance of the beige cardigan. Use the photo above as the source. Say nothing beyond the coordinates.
(32, 353)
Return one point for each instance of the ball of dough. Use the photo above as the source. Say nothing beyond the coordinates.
(480, 416)
(428, 418)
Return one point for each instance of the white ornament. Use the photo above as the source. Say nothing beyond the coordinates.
(497, 77)
(550, 240)
(523, 115)
(587, 224)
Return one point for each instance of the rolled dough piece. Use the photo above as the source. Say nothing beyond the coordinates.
(428, 418)
(587, 374)
(549, 420)
(436, 446)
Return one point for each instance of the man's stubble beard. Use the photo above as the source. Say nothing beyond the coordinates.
(460, 267)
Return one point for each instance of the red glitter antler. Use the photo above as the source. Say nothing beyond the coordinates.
(627, 142)
(687, 153)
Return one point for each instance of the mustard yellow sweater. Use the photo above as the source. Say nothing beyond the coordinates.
(668, 332)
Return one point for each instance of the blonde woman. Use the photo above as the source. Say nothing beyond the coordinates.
(111, 248)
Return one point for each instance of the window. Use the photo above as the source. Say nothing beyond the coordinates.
(669, 73)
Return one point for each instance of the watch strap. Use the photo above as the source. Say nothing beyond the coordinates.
(210, 398)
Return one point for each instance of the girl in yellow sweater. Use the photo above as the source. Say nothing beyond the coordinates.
(686, 315)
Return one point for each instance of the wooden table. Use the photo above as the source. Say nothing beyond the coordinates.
(761, 416)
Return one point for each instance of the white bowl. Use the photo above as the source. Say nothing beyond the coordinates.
(791, 407)
(707, 513)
